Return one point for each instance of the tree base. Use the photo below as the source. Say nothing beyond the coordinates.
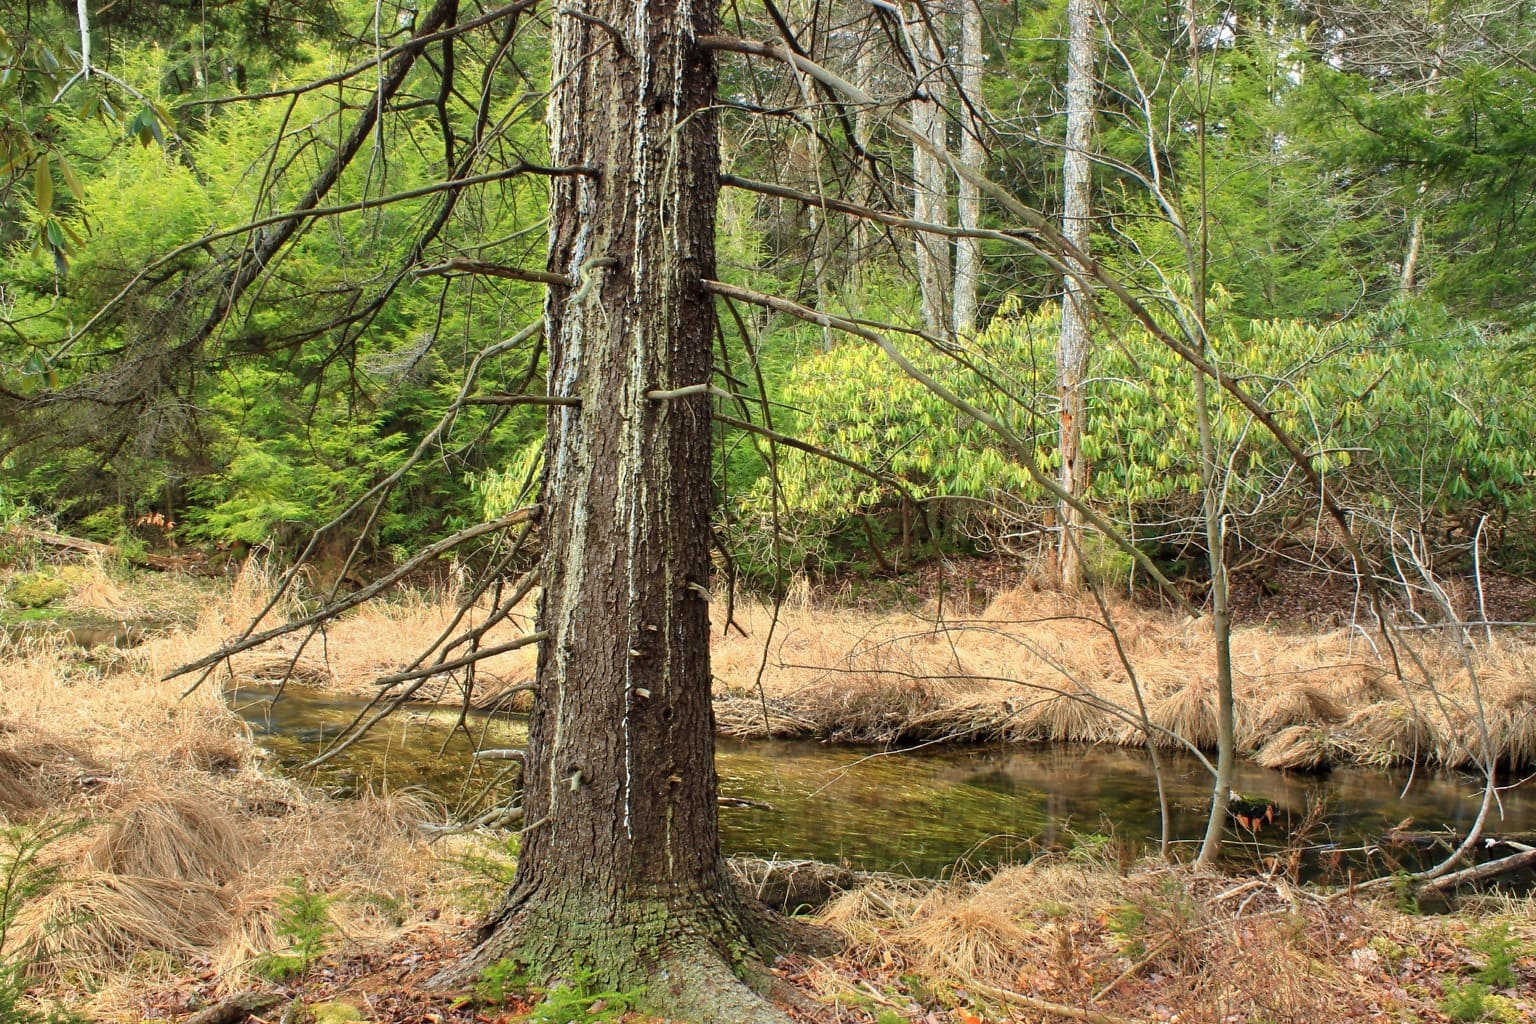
(702, 957)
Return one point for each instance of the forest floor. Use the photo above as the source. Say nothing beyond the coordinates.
(187, 872)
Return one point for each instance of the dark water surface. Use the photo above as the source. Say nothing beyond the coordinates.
(920, 812)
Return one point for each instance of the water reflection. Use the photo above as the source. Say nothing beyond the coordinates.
(921, 812)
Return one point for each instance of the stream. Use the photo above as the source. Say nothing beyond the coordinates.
(925, 811)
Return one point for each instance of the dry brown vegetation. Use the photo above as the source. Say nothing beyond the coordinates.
(187, 847)
(1036, 665)
(183, 847)
(1160, 943)
(1031, 665)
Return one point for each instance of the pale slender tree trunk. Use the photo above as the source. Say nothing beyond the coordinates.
(620, 869)
(1212, 485)
(968, 250)
(1221, 627)
(930, 198)
(1408, 277)
(819, 242)
(863, 118)
(1407, 282)
(1074, 342)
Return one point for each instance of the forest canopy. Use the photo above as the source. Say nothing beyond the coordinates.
(1357, 170)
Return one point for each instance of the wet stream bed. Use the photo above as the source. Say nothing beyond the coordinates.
(922, 812)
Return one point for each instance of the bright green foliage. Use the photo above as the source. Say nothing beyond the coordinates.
(1453, 147)
(294, 410)
(1310, 169)
(303, 919)
(499, 491)
(501, 980)
(1465, 1001)
(1405, 413)
(1502, 950)
(579, 1001)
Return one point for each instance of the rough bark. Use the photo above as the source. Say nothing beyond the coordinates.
(968, 250)
(620, 870)
(1073, 344)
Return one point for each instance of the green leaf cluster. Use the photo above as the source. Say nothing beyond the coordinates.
(300, 404)
(1405, 412)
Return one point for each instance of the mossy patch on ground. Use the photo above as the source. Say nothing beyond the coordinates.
(21, 616)
(36, 590)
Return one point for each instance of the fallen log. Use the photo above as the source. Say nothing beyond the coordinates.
(1483, 872)
(791, 885)
(1449, 839)
(165, 563)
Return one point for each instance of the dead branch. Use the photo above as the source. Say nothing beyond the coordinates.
(165, 563)
(1482, 872)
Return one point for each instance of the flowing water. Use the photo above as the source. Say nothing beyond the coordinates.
(921, 812)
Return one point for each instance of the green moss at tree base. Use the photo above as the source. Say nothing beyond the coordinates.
(692, 959)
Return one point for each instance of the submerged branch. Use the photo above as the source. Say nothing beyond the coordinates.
(1482, 872)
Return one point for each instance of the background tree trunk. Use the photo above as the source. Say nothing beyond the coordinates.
(1073, 344)
(620, 870)
(930, 197)
(968, 250)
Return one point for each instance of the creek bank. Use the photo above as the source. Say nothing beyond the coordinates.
(85, 630)
(921, 812)
(1032, 666)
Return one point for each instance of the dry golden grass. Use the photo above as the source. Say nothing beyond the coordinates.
(178, 834)
(189, 849)
(93, 924)
(1035, 665)
(377, 639)
(1032, 665)
(185, 848)
(1303, 747)
(1302, 704)
(1386, 733)
(1188, 712)
(1074, 931)
(38, 772)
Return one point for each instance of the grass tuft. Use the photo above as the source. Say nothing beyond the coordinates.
(175, 835)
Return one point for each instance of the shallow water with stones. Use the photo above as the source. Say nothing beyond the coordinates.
(924, 811)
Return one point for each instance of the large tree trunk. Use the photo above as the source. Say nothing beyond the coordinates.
(1072, 347)
(620, 871)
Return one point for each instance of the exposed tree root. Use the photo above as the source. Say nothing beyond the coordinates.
(696, 984)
